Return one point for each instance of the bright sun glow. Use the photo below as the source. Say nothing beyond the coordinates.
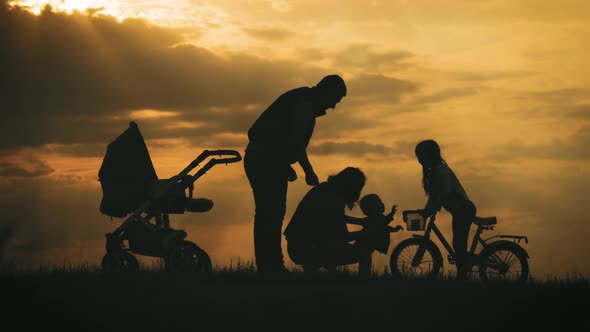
(69, 6)
(176, 13)
(152, 114)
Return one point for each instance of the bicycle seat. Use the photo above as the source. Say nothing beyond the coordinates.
(487, 221)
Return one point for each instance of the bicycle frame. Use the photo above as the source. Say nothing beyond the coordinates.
(477, 239)
(431, 227)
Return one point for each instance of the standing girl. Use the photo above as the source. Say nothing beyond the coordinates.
(444, 190)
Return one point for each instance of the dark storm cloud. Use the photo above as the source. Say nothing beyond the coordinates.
(443, 13)
(351, 149)
(73, 79)
(357, 149)
(558, 95)
(27, 167)
(573, 148)
(580, 111)
(269, 34)
(65, 77)
(490, 76)
(380, 88)
(572, 103)
(361, 56)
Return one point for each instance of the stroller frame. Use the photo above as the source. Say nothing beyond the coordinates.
(180, 255)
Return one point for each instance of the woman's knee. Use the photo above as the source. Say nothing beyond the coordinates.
(298, 254)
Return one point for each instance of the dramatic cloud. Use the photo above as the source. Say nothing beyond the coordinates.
(270, 34)
(364, 57)
(380, 88)
(74, 79)
(78, 72)
(458, 12)
(361, 57)
(580, 111)
(445, 95)
(573, 148)
(351, 149)
(490, 76)
(23, 167)
(569, 103)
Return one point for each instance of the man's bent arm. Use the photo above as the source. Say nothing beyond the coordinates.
(305, 164)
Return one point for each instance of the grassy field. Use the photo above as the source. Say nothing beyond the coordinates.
(235, 298)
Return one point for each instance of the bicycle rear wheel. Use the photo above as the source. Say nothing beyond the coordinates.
(504, 261)
(404, 254)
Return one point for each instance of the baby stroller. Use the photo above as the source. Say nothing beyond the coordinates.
(132, 189)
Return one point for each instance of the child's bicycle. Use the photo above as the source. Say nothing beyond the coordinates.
(419, 256)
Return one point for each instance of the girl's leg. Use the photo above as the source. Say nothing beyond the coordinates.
(462, 219)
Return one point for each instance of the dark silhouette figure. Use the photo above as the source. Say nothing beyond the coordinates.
(444, 190)
(376, 229)
(277, 139)
(317, 235)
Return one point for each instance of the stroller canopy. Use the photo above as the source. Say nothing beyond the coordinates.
(125, 174)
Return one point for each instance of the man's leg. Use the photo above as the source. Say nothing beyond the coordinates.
(269, 186)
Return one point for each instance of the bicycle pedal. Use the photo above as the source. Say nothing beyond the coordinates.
(451, 259)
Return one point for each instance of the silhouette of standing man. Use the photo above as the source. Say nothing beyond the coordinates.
(279, 138)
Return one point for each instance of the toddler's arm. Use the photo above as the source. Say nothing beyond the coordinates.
(392, 213)
(395, 229)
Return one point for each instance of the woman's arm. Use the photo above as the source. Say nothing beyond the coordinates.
(355, 221)
(354, 235)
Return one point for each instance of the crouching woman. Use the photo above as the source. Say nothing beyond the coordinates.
(317, 235)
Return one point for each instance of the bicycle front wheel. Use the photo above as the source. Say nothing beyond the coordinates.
(405, 263)
(504, 261)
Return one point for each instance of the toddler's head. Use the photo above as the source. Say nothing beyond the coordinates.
(371, 205)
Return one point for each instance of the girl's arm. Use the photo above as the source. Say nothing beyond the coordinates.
(442, 185)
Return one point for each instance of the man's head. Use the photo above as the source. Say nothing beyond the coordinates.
(329, 91)
(371, 205)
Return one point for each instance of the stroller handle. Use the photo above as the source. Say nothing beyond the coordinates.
(229, 156)
(235, 156)
(188, 180)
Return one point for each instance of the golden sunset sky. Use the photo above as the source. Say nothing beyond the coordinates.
(502, 85)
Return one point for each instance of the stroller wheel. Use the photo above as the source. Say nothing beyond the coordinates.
(188, 257)
(120, 262)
